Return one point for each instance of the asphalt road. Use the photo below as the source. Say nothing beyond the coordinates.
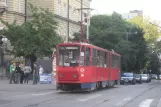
(41, 95)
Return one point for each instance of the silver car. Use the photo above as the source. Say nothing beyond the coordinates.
(145, 78)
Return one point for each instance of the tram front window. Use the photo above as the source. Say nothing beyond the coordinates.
(69, 55)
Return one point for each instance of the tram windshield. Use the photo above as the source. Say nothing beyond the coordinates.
(69, 55)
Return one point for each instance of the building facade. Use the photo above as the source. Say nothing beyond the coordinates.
(61, 8)
(68, 23)
(67, 13)
(132, 14)
(14, 10)
(11, 10)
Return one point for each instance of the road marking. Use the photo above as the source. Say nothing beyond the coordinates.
(159, 104)
(26, 95)
(123, 101)
(33, 94)
(40, 94)
(89, 97)
(146, 103)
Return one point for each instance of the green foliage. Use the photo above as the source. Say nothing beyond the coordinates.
(151, 32)
(36, 37)
(110, 32)
(106, 31)
(154, 63)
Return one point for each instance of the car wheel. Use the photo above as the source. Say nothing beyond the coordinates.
(134, 82)
(140, 82)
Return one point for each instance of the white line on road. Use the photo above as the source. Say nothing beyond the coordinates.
(123, 101)
(27, 95)
(33, 94)
(89, 97)
(40, 94)
(159, 104)
(146, 103)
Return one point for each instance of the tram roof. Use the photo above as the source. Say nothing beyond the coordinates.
(87, 44)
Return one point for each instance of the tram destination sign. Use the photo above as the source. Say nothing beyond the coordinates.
(69, 47)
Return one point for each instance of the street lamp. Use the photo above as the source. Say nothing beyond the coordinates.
(3, 40)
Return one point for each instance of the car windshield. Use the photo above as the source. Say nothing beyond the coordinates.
(137, 75)
(144, 75)
(127, 75)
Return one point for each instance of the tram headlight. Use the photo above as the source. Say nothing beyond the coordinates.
(74, 76)
(82, 75)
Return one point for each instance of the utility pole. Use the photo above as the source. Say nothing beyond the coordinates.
(25, 11)
(88, 23)
(81, 23)
(68, 22)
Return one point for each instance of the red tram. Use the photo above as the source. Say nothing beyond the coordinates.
(85, 66)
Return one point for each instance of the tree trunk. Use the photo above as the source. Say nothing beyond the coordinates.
(33, 59)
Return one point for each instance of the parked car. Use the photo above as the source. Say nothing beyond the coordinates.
(138, 78)
(128, 78)
(154, 76)
(146, 78)
(160, 77)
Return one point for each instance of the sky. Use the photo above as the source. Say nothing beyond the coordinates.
(151, 8)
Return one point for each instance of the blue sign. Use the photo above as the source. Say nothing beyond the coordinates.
(45, 78)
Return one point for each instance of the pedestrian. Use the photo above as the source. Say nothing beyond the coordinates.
(12, 71)
(35, 74)
(18, 73)
(41, 70)
(22, 73)
(27, 71)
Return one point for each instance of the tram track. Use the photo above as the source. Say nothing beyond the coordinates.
(56, 98)
(125, 104)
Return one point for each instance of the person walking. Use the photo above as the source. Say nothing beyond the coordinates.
(12, 71)
(35, 74)
(27, 71)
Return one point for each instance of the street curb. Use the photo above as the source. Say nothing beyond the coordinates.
(159, 104)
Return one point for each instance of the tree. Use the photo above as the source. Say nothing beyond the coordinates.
(110, 32)
(134, 51)
(107, 31)
(154, 64)
(151, 32)
(35, 38)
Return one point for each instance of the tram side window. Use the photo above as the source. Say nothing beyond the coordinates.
(115, 61)
(94, 57)
(119, 62)
(101, 59)
(105, 60)
(82, 56)
(88, 56)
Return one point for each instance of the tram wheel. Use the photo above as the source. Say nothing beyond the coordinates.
(97, 85)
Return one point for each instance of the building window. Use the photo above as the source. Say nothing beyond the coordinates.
(19, 5)
(59, 7)
(70, 12)
(6, 2)
(65, 10)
